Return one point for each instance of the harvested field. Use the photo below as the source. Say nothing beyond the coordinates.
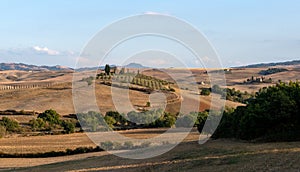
(215, 155)
(48, 143)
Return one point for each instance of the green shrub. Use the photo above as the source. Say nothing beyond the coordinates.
(148, 104)
(145, 144)
(171, 89)
(146, 118)
(92, 121)
(68, 126)
(128, 145)
(10, 124)
(166, 120)
(37, 124)
(108, 145)
(119, 118)
(201, 119)
(50, 116)
(186, 121)
(110, 121)
(205, 92)
(117, 146)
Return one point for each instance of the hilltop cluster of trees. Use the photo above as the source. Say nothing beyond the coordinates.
(270, 71)
(273, 115)
(139, 79)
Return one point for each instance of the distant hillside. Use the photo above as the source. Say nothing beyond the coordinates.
(135, 65)
(130, 65)
(26, 67)
(294, 62)
(92, 68)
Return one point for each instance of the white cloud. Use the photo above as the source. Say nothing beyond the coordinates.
(155, 13)
(45, 50)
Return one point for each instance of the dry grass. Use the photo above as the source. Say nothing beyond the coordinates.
(217, 155)
(48, 143)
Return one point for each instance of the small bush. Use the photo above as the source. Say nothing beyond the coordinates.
(119, 118)
(205, 92)
(148, 104)
(145, 144)
(108, 145)
(117, 146)
(186, 121)
(10, 124)
(37, 124)
(110, 121)
(51, 116)
(171, 89)
(92, 121)
(128, 145)
(68, 126)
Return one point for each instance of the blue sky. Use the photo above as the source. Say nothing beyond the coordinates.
(54, 32)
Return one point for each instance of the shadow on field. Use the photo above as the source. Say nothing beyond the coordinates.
(215, 155)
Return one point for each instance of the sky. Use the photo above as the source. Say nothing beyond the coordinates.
(55, 32)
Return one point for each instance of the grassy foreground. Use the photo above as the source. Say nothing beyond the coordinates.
(215, 155)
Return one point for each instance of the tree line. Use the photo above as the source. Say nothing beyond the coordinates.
(112, 120)
(273, 115)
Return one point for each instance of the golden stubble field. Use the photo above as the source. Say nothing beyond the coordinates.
(48, 143)
(214, 155)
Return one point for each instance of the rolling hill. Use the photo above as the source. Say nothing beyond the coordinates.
(260, 65)
(27, 67)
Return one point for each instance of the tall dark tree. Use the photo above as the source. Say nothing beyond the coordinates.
(107, 69)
